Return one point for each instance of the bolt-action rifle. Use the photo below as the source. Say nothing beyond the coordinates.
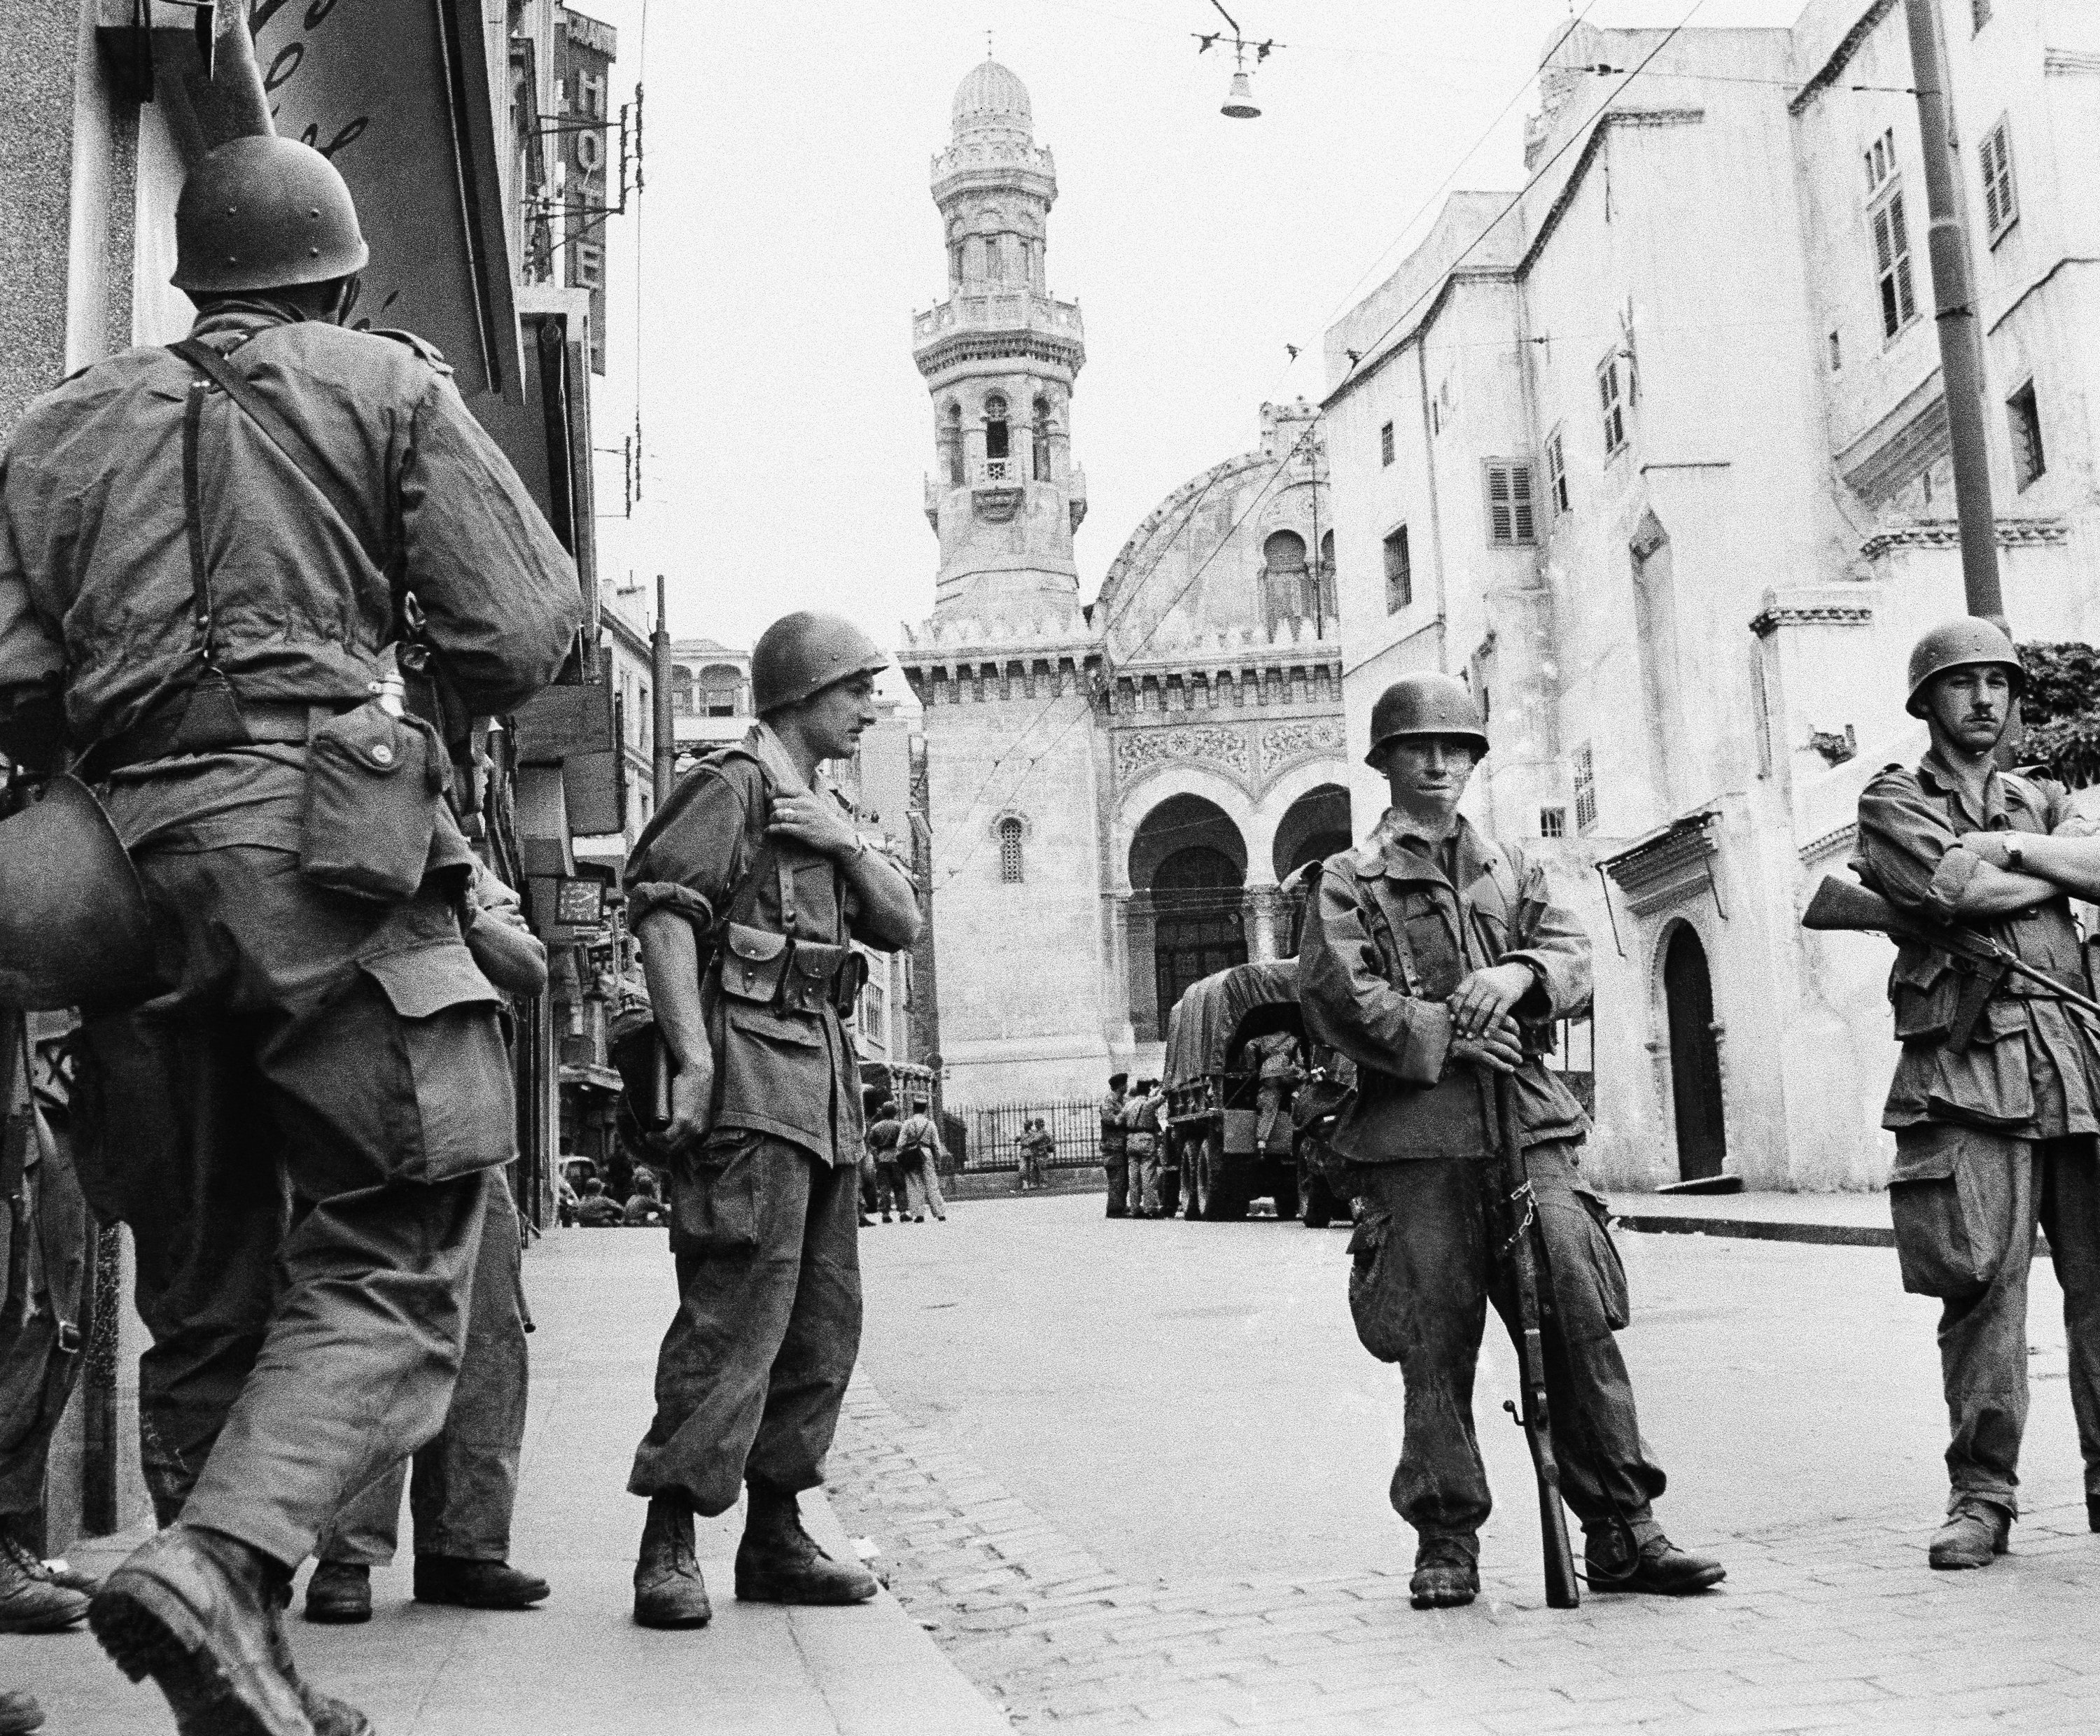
(1841, 907)
(1521, 1249)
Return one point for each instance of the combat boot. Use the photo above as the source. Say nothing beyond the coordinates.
(196, 1610)
(668, 1590)
(328, 1716)
(1447, 1574)
(476, 1585)
(1976, 1529)
(339, 1592)
(1620, 1559)
(778, 1561)
(31, 1599)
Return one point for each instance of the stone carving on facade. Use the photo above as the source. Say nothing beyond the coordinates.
(1139, 751)
(1301, 739)
(1946, 533)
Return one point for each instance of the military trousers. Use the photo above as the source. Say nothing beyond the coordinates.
(1117, 1166)
(1964, 1202)
(1425, 1266)
(462, 1483)
(754, 1367)
(42, 1304)
(300, 1132)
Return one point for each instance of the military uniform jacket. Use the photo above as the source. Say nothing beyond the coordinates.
(2030, 1069)
(1115, 1135)
(1379, 996)
(705, 855)
(96, 574)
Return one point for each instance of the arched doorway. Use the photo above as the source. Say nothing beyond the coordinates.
(1313, 827)
(1190, 857)
(1694, 1058)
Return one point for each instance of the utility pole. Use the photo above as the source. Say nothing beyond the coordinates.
(1954, 303)
(661, 722)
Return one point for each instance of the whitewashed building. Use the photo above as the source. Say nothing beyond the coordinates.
(1655, 454)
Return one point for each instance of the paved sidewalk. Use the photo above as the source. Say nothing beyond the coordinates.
(1829, 1220)
(578, 1666)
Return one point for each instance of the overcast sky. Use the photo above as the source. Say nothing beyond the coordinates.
(786, 236)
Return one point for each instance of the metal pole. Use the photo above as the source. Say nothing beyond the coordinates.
(661, 716)
(1954, 301)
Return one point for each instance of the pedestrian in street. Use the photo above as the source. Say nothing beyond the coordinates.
(645, 1209)
(746, 888)
(44, 1228)
(1115, 1145)
(1036, 1147)
(919, 1152)
(203, 556)
(599, 1210)
(890, 1192)
(1277, 1078)
(1996, 1099)
(1143, 1116)
(1427, 956)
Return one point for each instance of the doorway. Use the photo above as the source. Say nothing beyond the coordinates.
(1694, 1058)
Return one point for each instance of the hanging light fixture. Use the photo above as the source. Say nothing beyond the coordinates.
(1239, 103)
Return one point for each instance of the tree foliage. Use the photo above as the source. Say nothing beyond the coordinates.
(2061, 711)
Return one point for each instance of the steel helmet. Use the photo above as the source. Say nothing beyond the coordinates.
(805, 653)
(1962, 644)
(1426, 704)
(74, 930)
(264, 213)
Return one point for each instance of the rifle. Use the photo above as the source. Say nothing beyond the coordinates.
(1520, 1209)
(1840, 907)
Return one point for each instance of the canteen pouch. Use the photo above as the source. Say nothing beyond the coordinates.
(754, 963)
(374, 783)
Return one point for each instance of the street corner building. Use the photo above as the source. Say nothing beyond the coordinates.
(1657, 457)
(1115, 790)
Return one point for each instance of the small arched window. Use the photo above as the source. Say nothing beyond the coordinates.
(1042, 440)
(951, 444)
(1283, 566)
(1009, 852)
(995, 434)
(721, 691)
(1330, 608)
(682, 691)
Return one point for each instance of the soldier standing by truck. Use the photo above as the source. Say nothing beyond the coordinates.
(748, 888)
(1996, 1099)
(208, 558)
(1115, 1146)
(1425, 955)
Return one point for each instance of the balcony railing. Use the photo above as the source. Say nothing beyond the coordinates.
(998, 309)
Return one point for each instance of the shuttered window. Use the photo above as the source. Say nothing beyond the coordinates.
(1399, 573)
(1511, 519)
(1009, 851)
(1612, 402)
(1585, 788)
(1892, 273)
(1556, 471)
(1385, 444)
(1999, 207)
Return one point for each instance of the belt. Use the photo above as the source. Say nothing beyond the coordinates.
(165, 737)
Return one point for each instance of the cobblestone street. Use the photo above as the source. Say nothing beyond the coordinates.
(1190, 1534)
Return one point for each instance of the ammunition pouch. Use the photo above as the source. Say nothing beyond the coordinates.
(373, 783)
(786, 975)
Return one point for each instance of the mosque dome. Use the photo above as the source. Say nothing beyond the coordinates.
(992, 97)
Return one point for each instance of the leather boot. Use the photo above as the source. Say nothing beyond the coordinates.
(19, 1713)
(778, 1561)
(668, 1590)
(339, 1592)
(1976, 1531)
(1620, 1560)
(1447, 1574)
(328, 1716)
(476, 1585)
(196, 1610)
(31, 1599)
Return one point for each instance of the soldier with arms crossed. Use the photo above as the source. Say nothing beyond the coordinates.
(1423, 951)
(1994, 1105)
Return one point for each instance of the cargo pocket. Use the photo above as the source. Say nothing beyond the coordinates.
(455, 1114)
(1951, 1196)
(714, 1195)
(1367, 1241)
(1606, 1268)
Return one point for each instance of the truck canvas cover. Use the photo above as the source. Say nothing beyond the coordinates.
(1218, 1011)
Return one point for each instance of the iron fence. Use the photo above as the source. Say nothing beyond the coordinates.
(993, 1138)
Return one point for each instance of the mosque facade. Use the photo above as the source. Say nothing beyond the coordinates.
(1116, 789)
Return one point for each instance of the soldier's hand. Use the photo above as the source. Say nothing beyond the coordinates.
(1487, 995)
(815, 820)
(692, 1106)
(1497, 1049)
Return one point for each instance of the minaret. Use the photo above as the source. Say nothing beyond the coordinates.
(999, 356)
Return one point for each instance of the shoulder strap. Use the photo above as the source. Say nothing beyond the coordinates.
(285, 434)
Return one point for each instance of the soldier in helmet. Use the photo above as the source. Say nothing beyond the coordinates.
(1996, 1100)
(748, 888)
(1428, 955)
(203, 552)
